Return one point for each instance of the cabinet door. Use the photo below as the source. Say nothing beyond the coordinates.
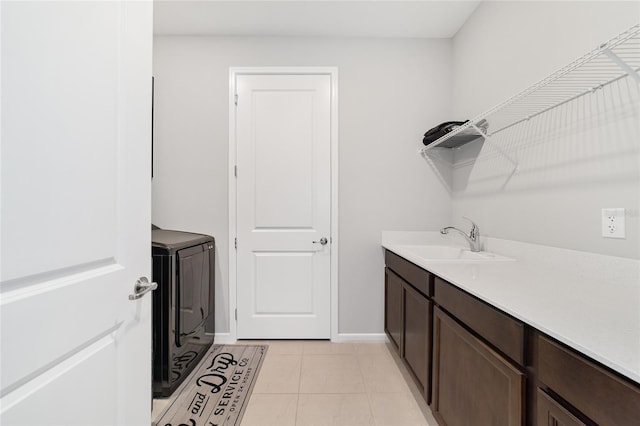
(417, 337)
(472, 384)
(393, 308)
(551, 413)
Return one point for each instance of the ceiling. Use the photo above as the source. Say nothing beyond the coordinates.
(312, 18)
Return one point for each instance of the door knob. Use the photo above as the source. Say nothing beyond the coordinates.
(322, 241)
(142, 287)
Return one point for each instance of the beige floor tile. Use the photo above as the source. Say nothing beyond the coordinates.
(334, 373)
(396, 409)
(326, 347)
(381, 374)
(413, 388)
(280, 373)
(271, 410)
(334, 409)
(289, 347)
(371, 348)
(327, 383)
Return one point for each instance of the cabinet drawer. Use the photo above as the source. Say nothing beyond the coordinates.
(413, 274)
(497, 328)
(600, 395)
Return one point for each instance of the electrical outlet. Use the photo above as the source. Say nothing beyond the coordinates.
(613, 223)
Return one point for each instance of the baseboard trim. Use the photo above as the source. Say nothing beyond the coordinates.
(224, 339)
(361, 337)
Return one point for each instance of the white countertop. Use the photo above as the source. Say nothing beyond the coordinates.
(589, 302)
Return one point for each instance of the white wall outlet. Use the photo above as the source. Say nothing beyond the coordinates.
(613, 223)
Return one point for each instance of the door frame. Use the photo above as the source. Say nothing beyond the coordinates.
(332, 72)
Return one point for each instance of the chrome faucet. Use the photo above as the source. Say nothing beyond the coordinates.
(474, 235)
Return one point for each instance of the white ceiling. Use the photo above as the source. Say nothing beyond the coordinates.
(324, 18)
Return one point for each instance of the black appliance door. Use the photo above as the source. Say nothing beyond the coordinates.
(192, 291)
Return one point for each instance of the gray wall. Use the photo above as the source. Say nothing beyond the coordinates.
(566, 176)
(390, 91)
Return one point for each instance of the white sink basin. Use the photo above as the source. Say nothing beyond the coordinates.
(435, 253)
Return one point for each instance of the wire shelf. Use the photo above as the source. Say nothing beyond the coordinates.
(610, 62)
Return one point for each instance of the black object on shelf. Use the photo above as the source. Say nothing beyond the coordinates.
(465, 136)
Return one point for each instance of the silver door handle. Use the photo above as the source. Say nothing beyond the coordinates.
(142, 287)
(322, 241)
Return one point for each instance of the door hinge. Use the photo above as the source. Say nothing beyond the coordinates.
(235, 99)
(236, 314)
(235, 171)
(235, 243)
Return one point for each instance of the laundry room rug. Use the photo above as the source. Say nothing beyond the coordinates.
(217, 392)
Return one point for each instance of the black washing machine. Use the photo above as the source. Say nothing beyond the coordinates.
(183, 305)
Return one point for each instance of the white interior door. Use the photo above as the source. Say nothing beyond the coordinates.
(283, 187)
(75, 221)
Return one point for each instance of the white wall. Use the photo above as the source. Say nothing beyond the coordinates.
(565, 176)
(390, 92)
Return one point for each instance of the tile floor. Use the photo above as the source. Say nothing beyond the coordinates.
(323, 383)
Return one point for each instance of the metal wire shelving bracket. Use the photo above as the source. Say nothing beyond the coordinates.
(608, 63)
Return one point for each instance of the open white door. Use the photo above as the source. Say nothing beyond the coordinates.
(75, 222)
(283, 143)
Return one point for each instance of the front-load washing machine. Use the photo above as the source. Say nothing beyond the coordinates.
(183, 305)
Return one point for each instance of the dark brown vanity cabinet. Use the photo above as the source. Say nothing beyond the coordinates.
(408, 315)
(474, 383)
(575, 390)
(477, 365)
